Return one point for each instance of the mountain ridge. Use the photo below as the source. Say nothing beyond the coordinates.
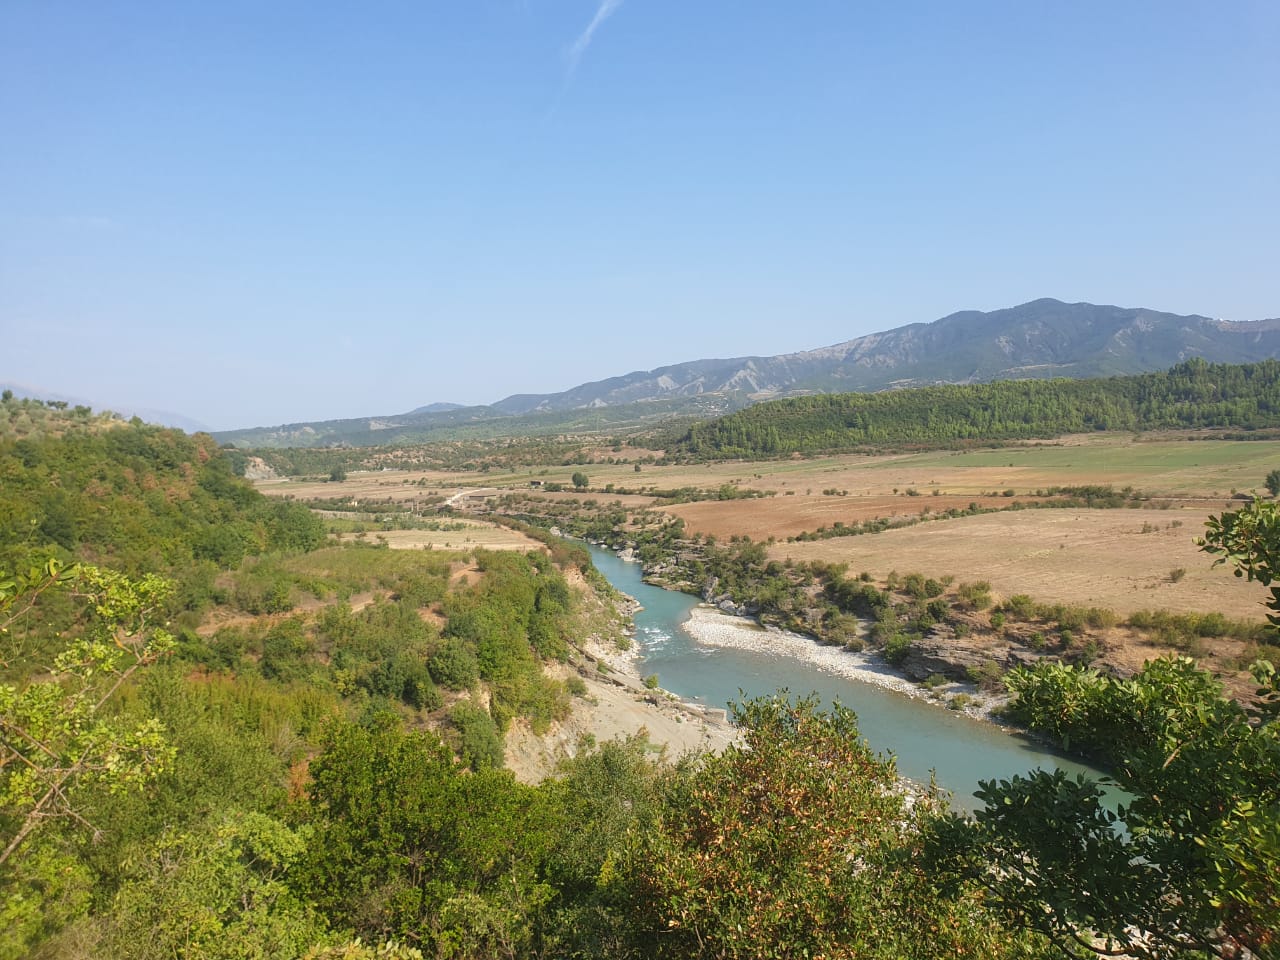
(1038, 339)
(1044, 337)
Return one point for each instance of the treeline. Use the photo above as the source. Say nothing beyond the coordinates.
(499, 453)
(1192, 395)
(22, 417)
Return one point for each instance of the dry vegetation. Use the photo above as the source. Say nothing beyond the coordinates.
(476, 534)
(1122, 560)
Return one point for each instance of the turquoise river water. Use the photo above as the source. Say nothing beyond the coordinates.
(924, 737)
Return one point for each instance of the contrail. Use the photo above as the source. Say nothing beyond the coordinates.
(603, 12)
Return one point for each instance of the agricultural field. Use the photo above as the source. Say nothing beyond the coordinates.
(473, 534)
(1097, 557)
(1121, 560)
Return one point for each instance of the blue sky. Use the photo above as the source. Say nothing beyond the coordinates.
(262, 212)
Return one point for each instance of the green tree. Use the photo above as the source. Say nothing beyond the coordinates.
(406, 844)
(1187, 866)
(58, 734)
(1273, 483)
(337, 475)
(798, 843)
(1249, 540)
(580, 480)
(213, 893)
(479, 743)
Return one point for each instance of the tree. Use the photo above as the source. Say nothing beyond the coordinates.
(1187, 866)
(1190, 864)
(216, 892)
(580, 480)
(406, 845)
(1273, 483)
(798, 842)
(337, 474)
(1249, 539)
(57, 735)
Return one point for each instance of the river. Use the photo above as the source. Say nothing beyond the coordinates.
(924, 737)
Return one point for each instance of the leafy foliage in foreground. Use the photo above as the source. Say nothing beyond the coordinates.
(1194, 394)
(1194, 867)
(796, 843)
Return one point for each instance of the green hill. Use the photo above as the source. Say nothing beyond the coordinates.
(1194, 394)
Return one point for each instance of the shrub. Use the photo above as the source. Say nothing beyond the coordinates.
(975, 596)
(454, 665)
(988, 676)
(476, 736)
(896, 647)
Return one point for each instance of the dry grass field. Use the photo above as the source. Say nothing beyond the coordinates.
(783, 517)
(487, 535)
(1096, 558)
(1161, 465)
(398, 485)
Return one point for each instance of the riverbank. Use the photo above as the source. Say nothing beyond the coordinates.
(712, 627)
(616, 705)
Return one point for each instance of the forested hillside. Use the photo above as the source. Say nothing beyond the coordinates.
(1194, 394)
(136, 498)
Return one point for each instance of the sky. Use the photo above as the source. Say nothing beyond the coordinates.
(253, 213)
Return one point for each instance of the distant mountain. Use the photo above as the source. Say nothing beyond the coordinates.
(1043, 338)
(163, 417)
(438, 408)
(474, 423)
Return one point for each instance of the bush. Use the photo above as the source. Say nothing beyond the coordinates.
(988, 676)
(896, 647)
(976, 596)
(1021, 606)
(476, 736)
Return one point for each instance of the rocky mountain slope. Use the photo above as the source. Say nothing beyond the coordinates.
(1044, 338)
